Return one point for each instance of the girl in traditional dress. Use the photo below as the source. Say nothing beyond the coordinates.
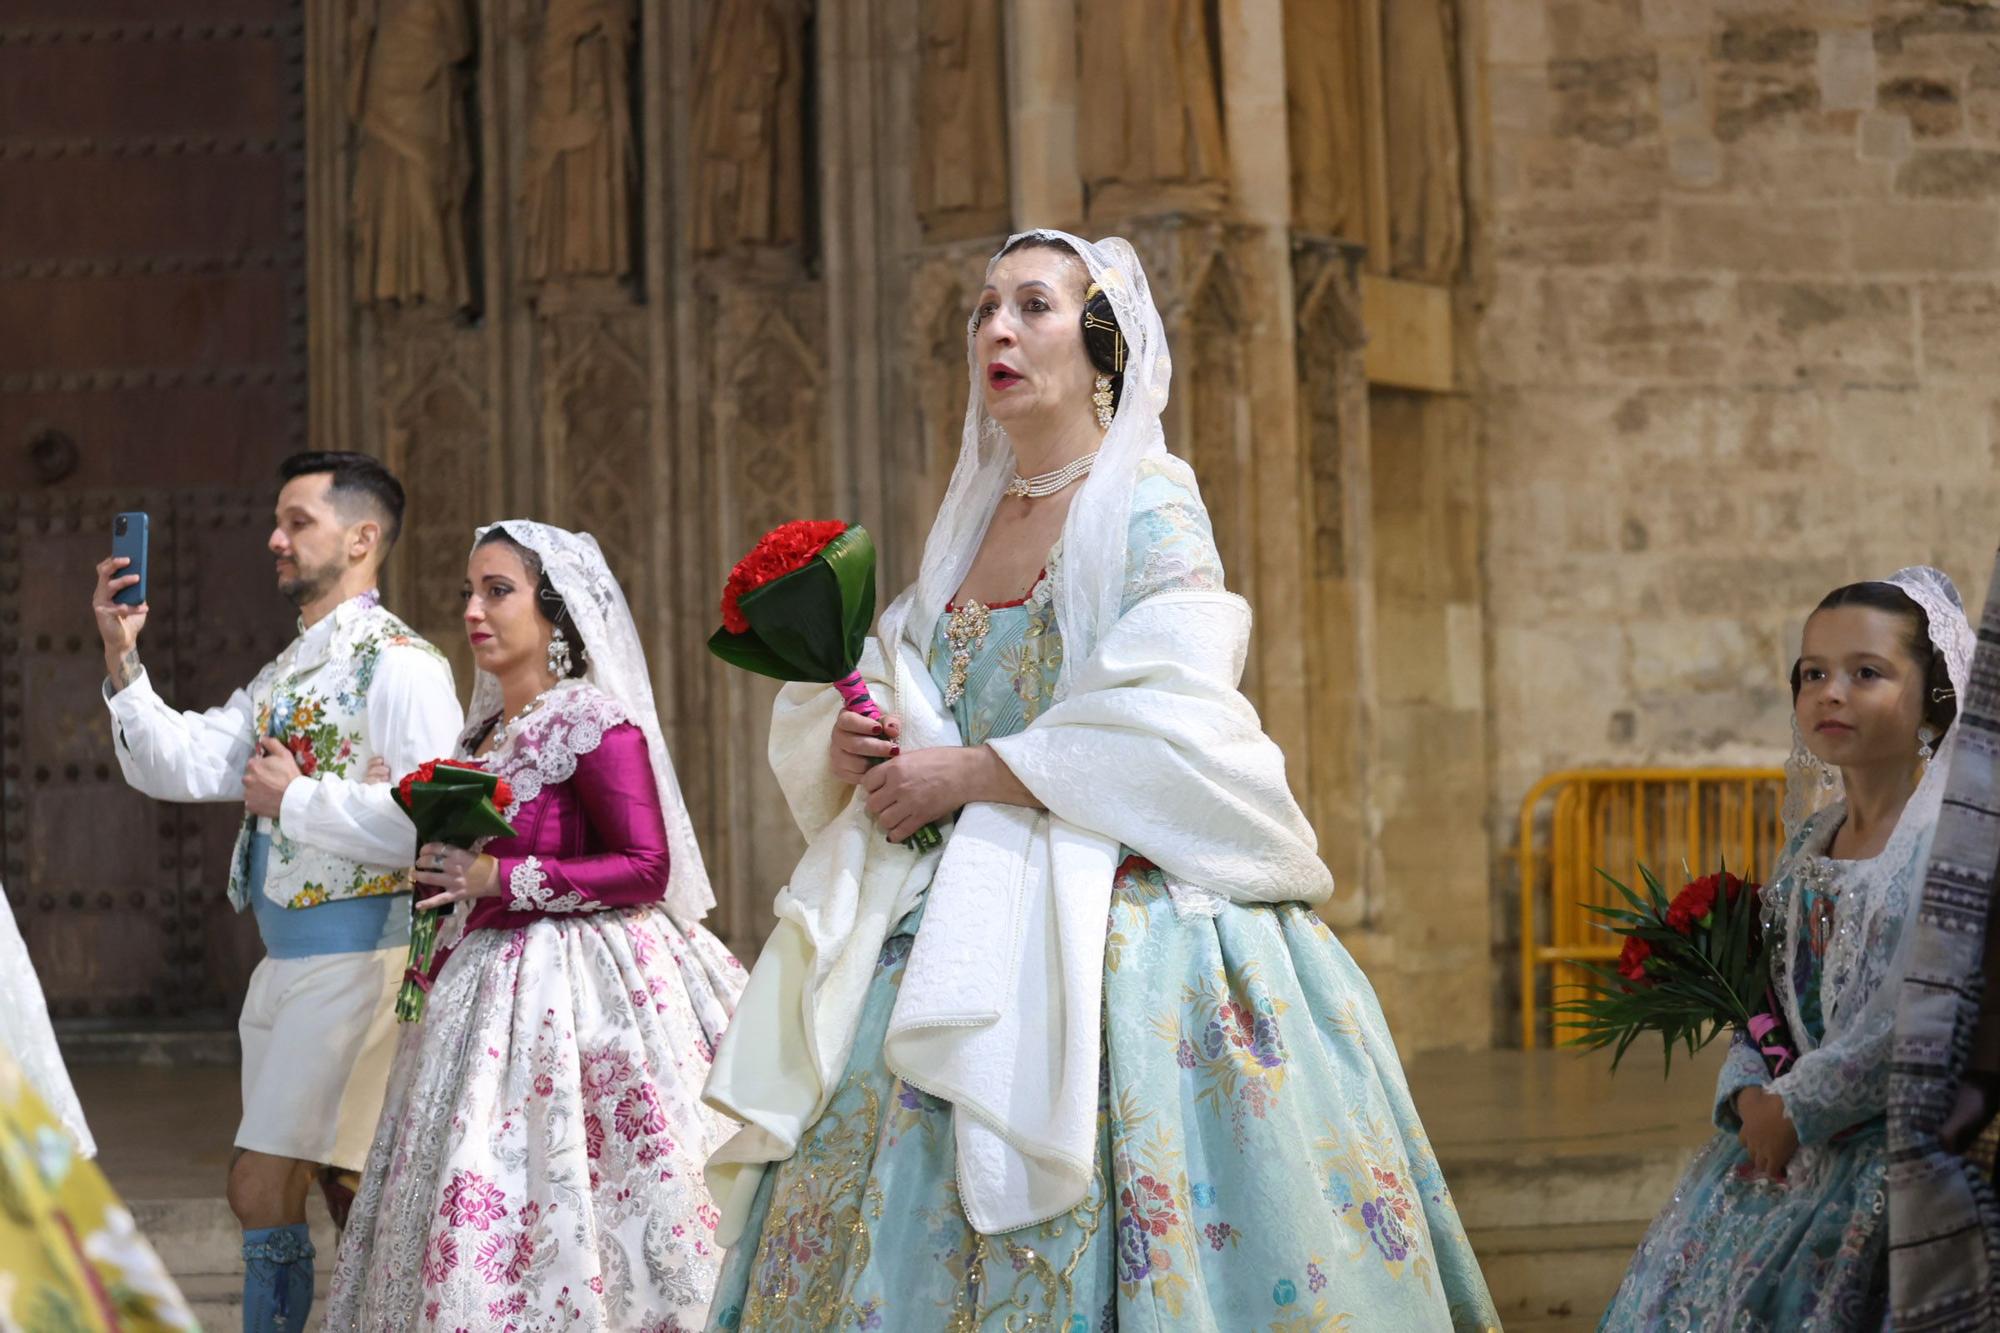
(1095, 1063)
(538, 1164)
(1780, 1222)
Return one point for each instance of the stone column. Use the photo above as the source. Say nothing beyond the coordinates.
(1041, 82)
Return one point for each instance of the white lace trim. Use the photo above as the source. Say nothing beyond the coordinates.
(528, 891)
(528, 887)
(1191, 901)
(544, 753)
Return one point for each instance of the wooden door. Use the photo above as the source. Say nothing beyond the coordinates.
(152, 356)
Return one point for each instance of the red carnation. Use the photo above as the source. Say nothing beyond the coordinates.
(423, 772)
(1691, 904)
(1632, 960)
(503, 794)
(785, 548)
(1697, 900)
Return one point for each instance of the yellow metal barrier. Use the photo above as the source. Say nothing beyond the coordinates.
(1672, 819)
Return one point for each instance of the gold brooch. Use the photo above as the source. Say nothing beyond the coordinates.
(965, 629)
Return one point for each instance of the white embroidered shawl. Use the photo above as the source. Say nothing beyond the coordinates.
(1152, 748)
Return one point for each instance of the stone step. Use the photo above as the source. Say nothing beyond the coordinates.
(1544, 1279)
(165, 1049)
(1618, 1185)
(1561, 1324)
(200, 1237)
(1550, 1279)
(217, 1302)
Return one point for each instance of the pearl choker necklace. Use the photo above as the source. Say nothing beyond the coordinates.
(1048, 483)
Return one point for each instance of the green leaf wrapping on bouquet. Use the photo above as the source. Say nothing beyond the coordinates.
(455, 815)
(455, 806)
(810, 624)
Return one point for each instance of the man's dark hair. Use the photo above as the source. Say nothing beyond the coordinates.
(356, 477)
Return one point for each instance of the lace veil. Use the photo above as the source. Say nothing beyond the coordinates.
(1091, 591)
(1868, 954)
(615, 664)
(25, 1032)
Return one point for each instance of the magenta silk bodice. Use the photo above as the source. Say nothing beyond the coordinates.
(593, 842)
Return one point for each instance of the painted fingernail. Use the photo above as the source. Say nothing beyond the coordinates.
(881, 732)
(895, 750)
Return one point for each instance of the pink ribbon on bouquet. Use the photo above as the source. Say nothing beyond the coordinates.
(1761, 1026)
(854, 693)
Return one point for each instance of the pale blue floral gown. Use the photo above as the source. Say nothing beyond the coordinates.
(1259, 1166)
(1736, 1250)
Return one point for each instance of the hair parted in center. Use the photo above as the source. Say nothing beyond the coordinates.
(1103, 342)
(547, 600)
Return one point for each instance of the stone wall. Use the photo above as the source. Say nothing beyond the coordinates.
(1738, 278)
(1726, 276)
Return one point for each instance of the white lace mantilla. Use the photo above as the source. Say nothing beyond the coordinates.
(615, 665)
(26, 1034)
(546, 745)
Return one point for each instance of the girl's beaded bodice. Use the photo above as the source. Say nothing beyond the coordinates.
(1825, 897)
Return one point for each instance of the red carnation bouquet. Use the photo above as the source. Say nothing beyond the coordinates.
(798, 607)
(1692, 966)
(458, 805)
(784, 549)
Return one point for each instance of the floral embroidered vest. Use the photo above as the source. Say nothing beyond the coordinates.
(316, 702)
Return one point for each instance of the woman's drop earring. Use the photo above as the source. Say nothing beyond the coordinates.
(1925, 735)
(559, 658)
(1102, 397)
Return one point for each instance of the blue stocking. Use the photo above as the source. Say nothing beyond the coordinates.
(277, 1278)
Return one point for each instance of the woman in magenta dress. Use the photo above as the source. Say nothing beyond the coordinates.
(538, 1164)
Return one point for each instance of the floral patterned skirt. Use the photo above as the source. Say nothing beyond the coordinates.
(1259, 1164)
(1735, 1250)
(538, 1162)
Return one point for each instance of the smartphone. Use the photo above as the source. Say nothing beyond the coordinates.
(128, 538)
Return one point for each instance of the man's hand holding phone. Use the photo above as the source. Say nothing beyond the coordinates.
(118, 625)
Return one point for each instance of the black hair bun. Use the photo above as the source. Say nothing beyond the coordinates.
(1103, 341)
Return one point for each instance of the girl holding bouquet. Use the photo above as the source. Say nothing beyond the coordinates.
(1780, 1222)
(538, 1162)
(1094, 1062)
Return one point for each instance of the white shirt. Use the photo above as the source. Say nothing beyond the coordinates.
(413, 715)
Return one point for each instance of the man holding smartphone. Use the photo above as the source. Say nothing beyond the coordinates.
(323, 859)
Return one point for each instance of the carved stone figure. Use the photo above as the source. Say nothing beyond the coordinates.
(961, 167)
(749, 128)
(1149, 112)
(1328, 123)
(582, 164)
(1426, 195)
(407, 75)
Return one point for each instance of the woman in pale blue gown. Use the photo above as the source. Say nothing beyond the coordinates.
(1257, 1162)
(1780, 1223)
